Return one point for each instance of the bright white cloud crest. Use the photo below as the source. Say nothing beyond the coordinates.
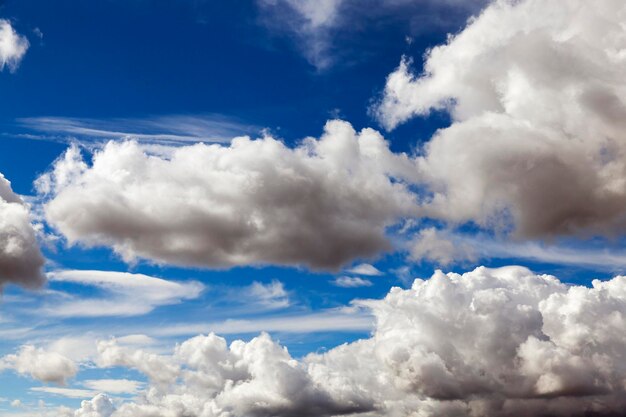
(497, 342)
(537, 94)
(13, 46)
(320, 204)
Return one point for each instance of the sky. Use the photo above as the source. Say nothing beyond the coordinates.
(255, 208)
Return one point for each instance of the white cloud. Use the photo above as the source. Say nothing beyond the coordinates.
(114, 386)
(272, 295)
(446, 247)
(537, 93)
(365, 269)
(66, 392)
(20, 258)
(43, 365)
(497, 342)
(100, 406)
(162, 130)
(351, 282)
(321, 204)
(436, 246)
(13, 46)
(125, 294)
(333, 320)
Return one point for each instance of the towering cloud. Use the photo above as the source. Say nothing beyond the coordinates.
(320, 204)
(20, 258)
(537, 94)
(12, 46)
(491, 342)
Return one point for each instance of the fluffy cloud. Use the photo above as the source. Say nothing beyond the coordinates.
(126, 294)
(100, 406)
(537, 94)
(12, 46)
(320, 204)
(434, 245)
(20, 258)
(496, 342)
(43, 365)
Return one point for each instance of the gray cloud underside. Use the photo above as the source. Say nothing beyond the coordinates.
(21, 261)
(321, 204)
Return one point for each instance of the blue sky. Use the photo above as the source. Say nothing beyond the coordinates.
(477, 167)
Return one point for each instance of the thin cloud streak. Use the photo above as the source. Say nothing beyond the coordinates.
(168, 130)
(326, 321)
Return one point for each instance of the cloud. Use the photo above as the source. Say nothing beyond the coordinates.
(365, 269)
(43, 365)
(537, 94)
(20, 258)
(496, 342)
(321, 204)
(114, 386)
(169, 130)
(434, 245)
(445, 247)
(349, 319)
(321, 27)
(66, 392)
(351, 282)
(271, 296)
(13, 46)
(125, 294)
(100, 406)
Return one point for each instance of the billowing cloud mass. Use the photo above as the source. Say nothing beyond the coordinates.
(41, 364)
(537, 94)
(320, 204)
(20, 258)
(491, 342)
(13, 46)
(433, 245)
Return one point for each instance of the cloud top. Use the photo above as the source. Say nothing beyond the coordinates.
(537, 97)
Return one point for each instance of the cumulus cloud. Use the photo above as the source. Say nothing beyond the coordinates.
(437, 246)
(100, 406)
(13, 46)
(124, 294)
(38, 363)
(321, 204)
(496, 342)
(20, 258)
(537, 93)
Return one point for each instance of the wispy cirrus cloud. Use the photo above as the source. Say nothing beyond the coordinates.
(347, 319)
(170, 130)
(121, 294)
